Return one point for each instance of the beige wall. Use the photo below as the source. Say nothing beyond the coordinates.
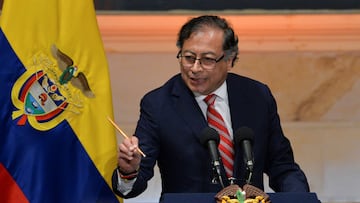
(311, 63)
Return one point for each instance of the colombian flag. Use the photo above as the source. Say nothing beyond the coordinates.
(56, 144)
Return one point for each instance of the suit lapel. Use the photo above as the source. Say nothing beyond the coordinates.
(238, 107)
(187, 107)
(237, 103)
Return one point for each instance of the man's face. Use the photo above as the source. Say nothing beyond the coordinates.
(207, 43)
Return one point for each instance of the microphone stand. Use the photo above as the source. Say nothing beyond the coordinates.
(248, 180)
(249, 170)
(217, 174)
(221, 181)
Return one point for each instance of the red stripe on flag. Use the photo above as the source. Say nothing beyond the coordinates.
(10, 191)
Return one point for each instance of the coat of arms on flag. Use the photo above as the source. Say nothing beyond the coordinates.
(47, 89)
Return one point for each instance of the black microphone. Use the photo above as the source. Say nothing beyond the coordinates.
(244, 138)
(210, 139)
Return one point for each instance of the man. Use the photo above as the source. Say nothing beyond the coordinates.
(173, 116)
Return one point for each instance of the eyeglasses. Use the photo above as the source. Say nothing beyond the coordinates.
(206, 62)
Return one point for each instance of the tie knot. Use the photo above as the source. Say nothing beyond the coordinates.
(210, 99)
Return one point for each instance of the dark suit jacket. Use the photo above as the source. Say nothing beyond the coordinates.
(171, 122)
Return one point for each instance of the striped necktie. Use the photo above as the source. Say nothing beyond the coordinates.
(226, 147)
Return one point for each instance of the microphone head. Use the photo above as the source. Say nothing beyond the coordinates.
(243, 133)
(208, 134)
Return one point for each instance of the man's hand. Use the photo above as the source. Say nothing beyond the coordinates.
(129, 157)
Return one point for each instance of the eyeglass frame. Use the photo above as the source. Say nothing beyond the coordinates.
(207, 67)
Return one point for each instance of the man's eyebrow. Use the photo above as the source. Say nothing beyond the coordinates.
(201, 54)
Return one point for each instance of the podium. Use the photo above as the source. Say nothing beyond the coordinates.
(280, 197)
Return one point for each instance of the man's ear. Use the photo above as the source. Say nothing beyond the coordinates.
(231, 61)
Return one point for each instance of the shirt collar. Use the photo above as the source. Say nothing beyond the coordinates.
(220, 92)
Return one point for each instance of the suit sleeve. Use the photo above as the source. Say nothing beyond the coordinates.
(146, 131)
(284, 173)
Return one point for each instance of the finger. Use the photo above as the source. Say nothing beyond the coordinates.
(131, 143)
